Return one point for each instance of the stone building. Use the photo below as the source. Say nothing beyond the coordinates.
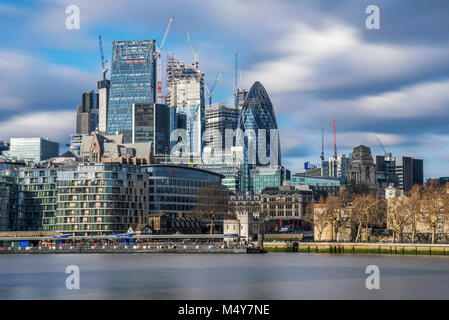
(246, 221)
(285, 207)
(111, 148)
(362, 169)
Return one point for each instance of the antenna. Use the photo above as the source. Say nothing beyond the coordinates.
(235, 70)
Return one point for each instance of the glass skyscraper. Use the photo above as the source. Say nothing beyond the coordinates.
(256, 116)
(133, 80)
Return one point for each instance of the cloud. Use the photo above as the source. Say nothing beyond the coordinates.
(335, 56)
(28, 82)
(56, 125)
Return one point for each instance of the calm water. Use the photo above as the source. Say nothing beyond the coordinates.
(207, 276)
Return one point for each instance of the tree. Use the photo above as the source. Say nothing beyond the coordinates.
(414, 204)
(398, 217)
(211, 204)
(333, 208)
(367, 210)
(316, 216)
(435, 201)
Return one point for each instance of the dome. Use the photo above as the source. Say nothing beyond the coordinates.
(257, 113)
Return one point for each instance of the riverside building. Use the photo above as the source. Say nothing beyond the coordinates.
(173, 189)
(101, 198)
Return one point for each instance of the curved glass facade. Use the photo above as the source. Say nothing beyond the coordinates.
(257, 117)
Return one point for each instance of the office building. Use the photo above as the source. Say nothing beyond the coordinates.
(386, 170)
(265, 177)
(186, 93)
(133, 80)
(317, 184)
(174, 189)
(338, 167)
(409, 171)
(32, 149)
(402, 172)
(151, 123)
(234, 177)
(87, 113)
(103, 104)
(219, 119)
(258, 129)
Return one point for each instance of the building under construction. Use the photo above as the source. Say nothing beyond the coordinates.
(185, 84)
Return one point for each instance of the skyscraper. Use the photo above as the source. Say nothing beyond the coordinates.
(186, 93)
(219, 118)
(103, 103)
(133, 80)
(151, 122)
(87, 113)
(257, 122)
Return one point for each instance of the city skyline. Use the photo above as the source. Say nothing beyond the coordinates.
(318, 63)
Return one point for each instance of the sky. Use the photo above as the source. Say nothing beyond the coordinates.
(316, 59)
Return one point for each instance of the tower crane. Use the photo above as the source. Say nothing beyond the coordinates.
(322, 145)
(192, 49)
(157, 56)
(104, 62)
(209, 92)
(388, 158)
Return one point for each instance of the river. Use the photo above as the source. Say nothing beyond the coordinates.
(223, 276)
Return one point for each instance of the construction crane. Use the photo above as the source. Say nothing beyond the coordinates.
(381, 145)
(387, 158)
(104, 62)
(335, 143)
(322, 145)
(192, 49)
(209, 92)
(157, 56)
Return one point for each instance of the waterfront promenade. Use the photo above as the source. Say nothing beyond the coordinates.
(359, 248)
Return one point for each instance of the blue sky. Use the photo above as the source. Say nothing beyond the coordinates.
(316, 59)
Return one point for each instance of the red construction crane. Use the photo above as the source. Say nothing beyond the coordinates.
(322, 145)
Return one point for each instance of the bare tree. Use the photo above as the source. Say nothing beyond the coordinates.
(414, 209)
(435, 201)
(316, 216)
(399, 217)
(367, 210)
(333, 208)
(211, 205)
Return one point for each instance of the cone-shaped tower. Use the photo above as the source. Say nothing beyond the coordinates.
(257, 116)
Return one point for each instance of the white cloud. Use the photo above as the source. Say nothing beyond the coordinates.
(335, 56)
(28, 82)
(55, 125)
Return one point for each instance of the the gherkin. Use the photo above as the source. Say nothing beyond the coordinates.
(257, 113)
